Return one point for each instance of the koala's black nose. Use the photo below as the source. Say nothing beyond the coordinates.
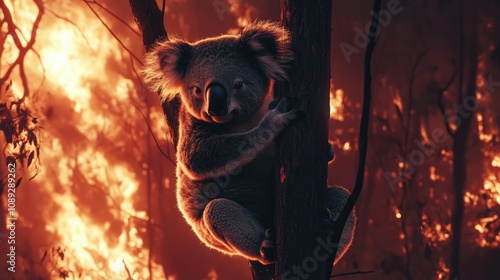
(217, 100)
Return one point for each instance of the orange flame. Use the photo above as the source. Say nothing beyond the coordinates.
(72, 67)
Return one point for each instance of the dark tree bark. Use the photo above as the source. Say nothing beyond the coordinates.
(301, 151)
(461, 133)
(150, 20)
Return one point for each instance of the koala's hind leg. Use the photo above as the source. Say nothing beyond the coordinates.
(336, 198)
(236, 228)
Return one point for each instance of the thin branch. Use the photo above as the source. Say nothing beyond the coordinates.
(407, 131)
(363, 130)
(352, 273)
(168, 156)
(127, 270)
(71, 23)
(149, 189)
(115, 16)
(43, 69)
(22, 50)
(440, 103)
(152, 134)
(164, 5)
(419, 58)
(113, 33)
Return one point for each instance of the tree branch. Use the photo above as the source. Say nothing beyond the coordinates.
(363, 130)
(440, 98)
(23, 50)
(112, 33)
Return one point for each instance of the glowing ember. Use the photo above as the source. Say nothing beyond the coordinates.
(489, 237)
(483, 136)
(336, 106)
(434, 176)
(347, 146)
(423, 132)
(493, 186)
(470, 198)
(398, 102)
(496, 161)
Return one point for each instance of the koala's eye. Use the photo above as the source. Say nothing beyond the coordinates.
(238, 86)
(197, 90)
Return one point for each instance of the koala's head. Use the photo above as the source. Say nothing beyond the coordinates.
(222, 78)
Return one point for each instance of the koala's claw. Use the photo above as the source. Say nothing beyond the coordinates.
(283, 106)
(268, 247)
(274, 103)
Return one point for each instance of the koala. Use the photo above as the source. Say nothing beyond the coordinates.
(228, 121)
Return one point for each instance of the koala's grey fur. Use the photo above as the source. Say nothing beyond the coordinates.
(225, 164)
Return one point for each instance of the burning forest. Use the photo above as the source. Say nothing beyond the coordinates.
(88, 187)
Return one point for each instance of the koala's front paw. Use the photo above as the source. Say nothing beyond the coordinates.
(268, 247)
(281, 113)
(274, 103)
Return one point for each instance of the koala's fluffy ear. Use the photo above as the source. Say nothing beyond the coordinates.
(270, 44)
(165, 66)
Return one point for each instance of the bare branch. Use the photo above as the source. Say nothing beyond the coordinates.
(43, 68)
(23, 50)
(154, 138)
(352, 273)
(114, 15)
(440, 103)
(113, 33)
(127, 270)
(363, 130)
(72, 23)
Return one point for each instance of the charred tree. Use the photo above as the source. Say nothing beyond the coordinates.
(466, 95)
(301, 151)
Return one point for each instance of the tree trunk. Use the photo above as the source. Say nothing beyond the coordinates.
(150, 20)
(462, 131)
(301, 151)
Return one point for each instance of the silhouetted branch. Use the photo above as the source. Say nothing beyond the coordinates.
(127, 270)
(115, 16)
(23, 50)
(363, 130)
(167, 156)
(440, 98)
(112, 33)
(352, 273)
(71, 23)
